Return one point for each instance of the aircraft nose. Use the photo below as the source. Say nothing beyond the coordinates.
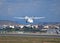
(30, 20)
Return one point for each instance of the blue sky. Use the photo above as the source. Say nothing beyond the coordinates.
(46, 8)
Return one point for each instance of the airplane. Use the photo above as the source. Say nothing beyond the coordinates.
(29, 19)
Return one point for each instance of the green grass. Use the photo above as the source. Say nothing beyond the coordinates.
(17, 39)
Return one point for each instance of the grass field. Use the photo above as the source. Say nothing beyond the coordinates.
(18, 39)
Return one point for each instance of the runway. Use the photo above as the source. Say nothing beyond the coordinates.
(32, 35)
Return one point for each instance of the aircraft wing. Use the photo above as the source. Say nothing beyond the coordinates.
(38, 17)
(29, 17)
(19, 17)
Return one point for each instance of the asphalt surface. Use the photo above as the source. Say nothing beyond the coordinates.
(31, 35)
